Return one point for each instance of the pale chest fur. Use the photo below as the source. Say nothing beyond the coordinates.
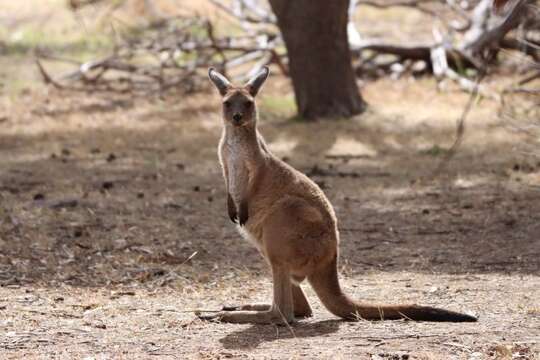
(237, 166)
(240, 157)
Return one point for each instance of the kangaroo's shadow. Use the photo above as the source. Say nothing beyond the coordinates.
(254, 335)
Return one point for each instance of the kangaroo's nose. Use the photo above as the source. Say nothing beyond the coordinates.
(237, 117)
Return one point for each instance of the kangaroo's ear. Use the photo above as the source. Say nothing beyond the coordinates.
(255, 84)
(220, 81)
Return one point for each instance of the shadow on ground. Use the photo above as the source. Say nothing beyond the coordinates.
(254, 335)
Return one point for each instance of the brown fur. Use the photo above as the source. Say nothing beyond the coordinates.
(291, 222)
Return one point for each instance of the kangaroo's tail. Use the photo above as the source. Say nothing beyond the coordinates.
(326, 284)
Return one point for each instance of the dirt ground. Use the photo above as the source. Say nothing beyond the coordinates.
(113, 226)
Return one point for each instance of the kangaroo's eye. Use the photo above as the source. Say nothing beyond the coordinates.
(248, 104)
(227, 104)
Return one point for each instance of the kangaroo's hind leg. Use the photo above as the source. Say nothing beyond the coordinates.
(300, 304)
(281, 311)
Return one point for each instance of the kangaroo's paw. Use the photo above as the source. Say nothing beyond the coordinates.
(243, 213)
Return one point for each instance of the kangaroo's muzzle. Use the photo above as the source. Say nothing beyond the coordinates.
(237, 118)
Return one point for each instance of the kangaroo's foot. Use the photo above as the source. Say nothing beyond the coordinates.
(301, 311)
(272, 316)
(249, 307)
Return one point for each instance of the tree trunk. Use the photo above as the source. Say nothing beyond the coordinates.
(315, 34)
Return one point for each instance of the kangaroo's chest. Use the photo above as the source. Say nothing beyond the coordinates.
(239, 169)
(238, 175)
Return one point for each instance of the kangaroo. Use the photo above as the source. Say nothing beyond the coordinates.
(290, 221)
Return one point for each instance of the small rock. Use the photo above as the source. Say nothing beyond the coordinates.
(197, 188)
(39, 196)
(63, 204)
(111, 157)
(107, 185)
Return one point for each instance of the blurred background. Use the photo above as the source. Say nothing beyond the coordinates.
(420, 120)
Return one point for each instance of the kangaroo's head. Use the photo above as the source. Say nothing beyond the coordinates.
(239, 107)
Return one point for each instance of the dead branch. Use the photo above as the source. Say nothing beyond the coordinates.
(488, 38)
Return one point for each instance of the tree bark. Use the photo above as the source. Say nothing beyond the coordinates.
(315, 34)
